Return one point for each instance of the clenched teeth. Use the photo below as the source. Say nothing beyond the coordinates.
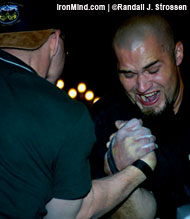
(146, 96)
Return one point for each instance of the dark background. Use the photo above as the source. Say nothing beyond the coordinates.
(88, 40)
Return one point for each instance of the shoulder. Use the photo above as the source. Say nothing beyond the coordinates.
(37, 100)
(47, 98)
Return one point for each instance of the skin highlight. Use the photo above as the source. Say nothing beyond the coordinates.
(147, 70)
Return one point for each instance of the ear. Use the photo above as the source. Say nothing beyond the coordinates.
(179, 53)
(54, 42)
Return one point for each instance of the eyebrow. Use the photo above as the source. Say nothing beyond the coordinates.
(151, 64)
(123, 71)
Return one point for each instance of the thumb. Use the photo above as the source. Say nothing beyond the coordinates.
(120, 123)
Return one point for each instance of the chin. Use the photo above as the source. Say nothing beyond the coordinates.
(154, 110)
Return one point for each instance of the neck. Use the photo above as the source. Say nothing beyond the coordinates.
(32, 58)
(180, 95)
(21, 54)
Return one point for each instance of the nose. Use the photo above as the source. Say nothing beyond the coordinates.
(143, 83)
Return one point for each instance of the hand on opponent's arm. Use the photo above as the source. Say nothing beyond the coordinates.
(105, 194)
(108, 192)
(130, 143)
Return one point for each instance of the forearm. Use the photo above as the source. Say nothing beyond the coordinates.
(108, 192)
(140, 205)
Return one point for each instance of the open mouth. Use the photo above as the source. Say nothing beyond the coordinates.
(150, 98)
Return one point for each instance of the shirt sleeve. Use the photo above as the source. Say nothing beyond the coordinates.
(72, 179)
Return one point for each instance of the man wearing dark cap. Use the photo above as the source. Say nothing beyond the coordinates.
(45, 137)
(152, 89)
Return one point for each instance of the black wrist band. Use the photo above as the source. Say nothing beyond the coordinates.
(144, 167)
(110, 159)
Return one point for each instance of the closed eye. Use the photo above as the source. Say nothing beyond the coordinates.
(127, 74)
(153, 71)
(153, 67)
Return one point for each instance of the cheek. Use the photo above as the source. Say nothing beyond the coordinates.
(167, 79)
(171, 88)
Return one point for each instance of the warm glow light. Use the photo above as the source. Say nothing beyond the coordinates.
(60, 84)
(89, 95)
(81, 87)
(96, 99)
(72, 93)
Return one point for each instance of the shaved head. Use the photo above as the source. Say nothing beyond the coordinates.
(136, 29)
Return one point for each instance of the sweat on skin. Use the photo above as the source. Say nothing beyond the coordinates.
(147, 69)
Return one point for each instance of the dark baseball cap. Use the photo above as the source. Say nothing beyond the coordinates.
(24, 25)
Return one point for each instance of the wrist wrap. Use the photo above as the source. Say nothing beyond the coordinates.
(144, 167)
(110, 158)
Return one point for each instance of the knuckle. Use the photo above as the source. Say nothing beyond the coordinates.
(146, 130)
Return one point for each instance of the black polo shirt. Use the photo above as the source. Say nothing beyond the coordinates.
(45, 141)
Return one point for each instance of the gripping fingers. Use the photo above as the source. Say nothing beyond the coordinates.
(146, 139)
(147, 142)
(133, 124)
(145, 136)
(149, 146)
(111, 142)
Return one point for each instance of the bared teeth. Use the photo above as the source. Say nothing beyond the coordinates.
(146, 97)
(151, 94)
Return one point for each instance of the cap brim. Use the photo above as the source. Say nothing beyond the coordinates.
(24, 40)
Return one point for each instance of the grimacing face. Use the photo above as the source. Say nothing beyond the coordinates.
(148, 75)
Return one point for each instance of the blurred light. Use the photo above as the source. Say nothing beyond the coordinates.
(89, 95)
(81, 87)
(60, 84)
(96, 99)
(72, 93)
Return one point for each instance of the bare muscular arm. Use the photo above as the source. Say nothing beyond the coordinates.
(140, 205)
(105, 194)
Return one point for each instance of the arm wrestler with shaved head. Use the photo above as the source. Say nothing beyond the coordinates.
(151, 89)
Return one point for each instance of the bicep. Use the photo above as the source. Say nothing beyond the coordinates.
(60, 208)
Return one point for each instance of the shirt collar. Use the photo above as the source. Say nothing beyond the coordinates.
(13, 60)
